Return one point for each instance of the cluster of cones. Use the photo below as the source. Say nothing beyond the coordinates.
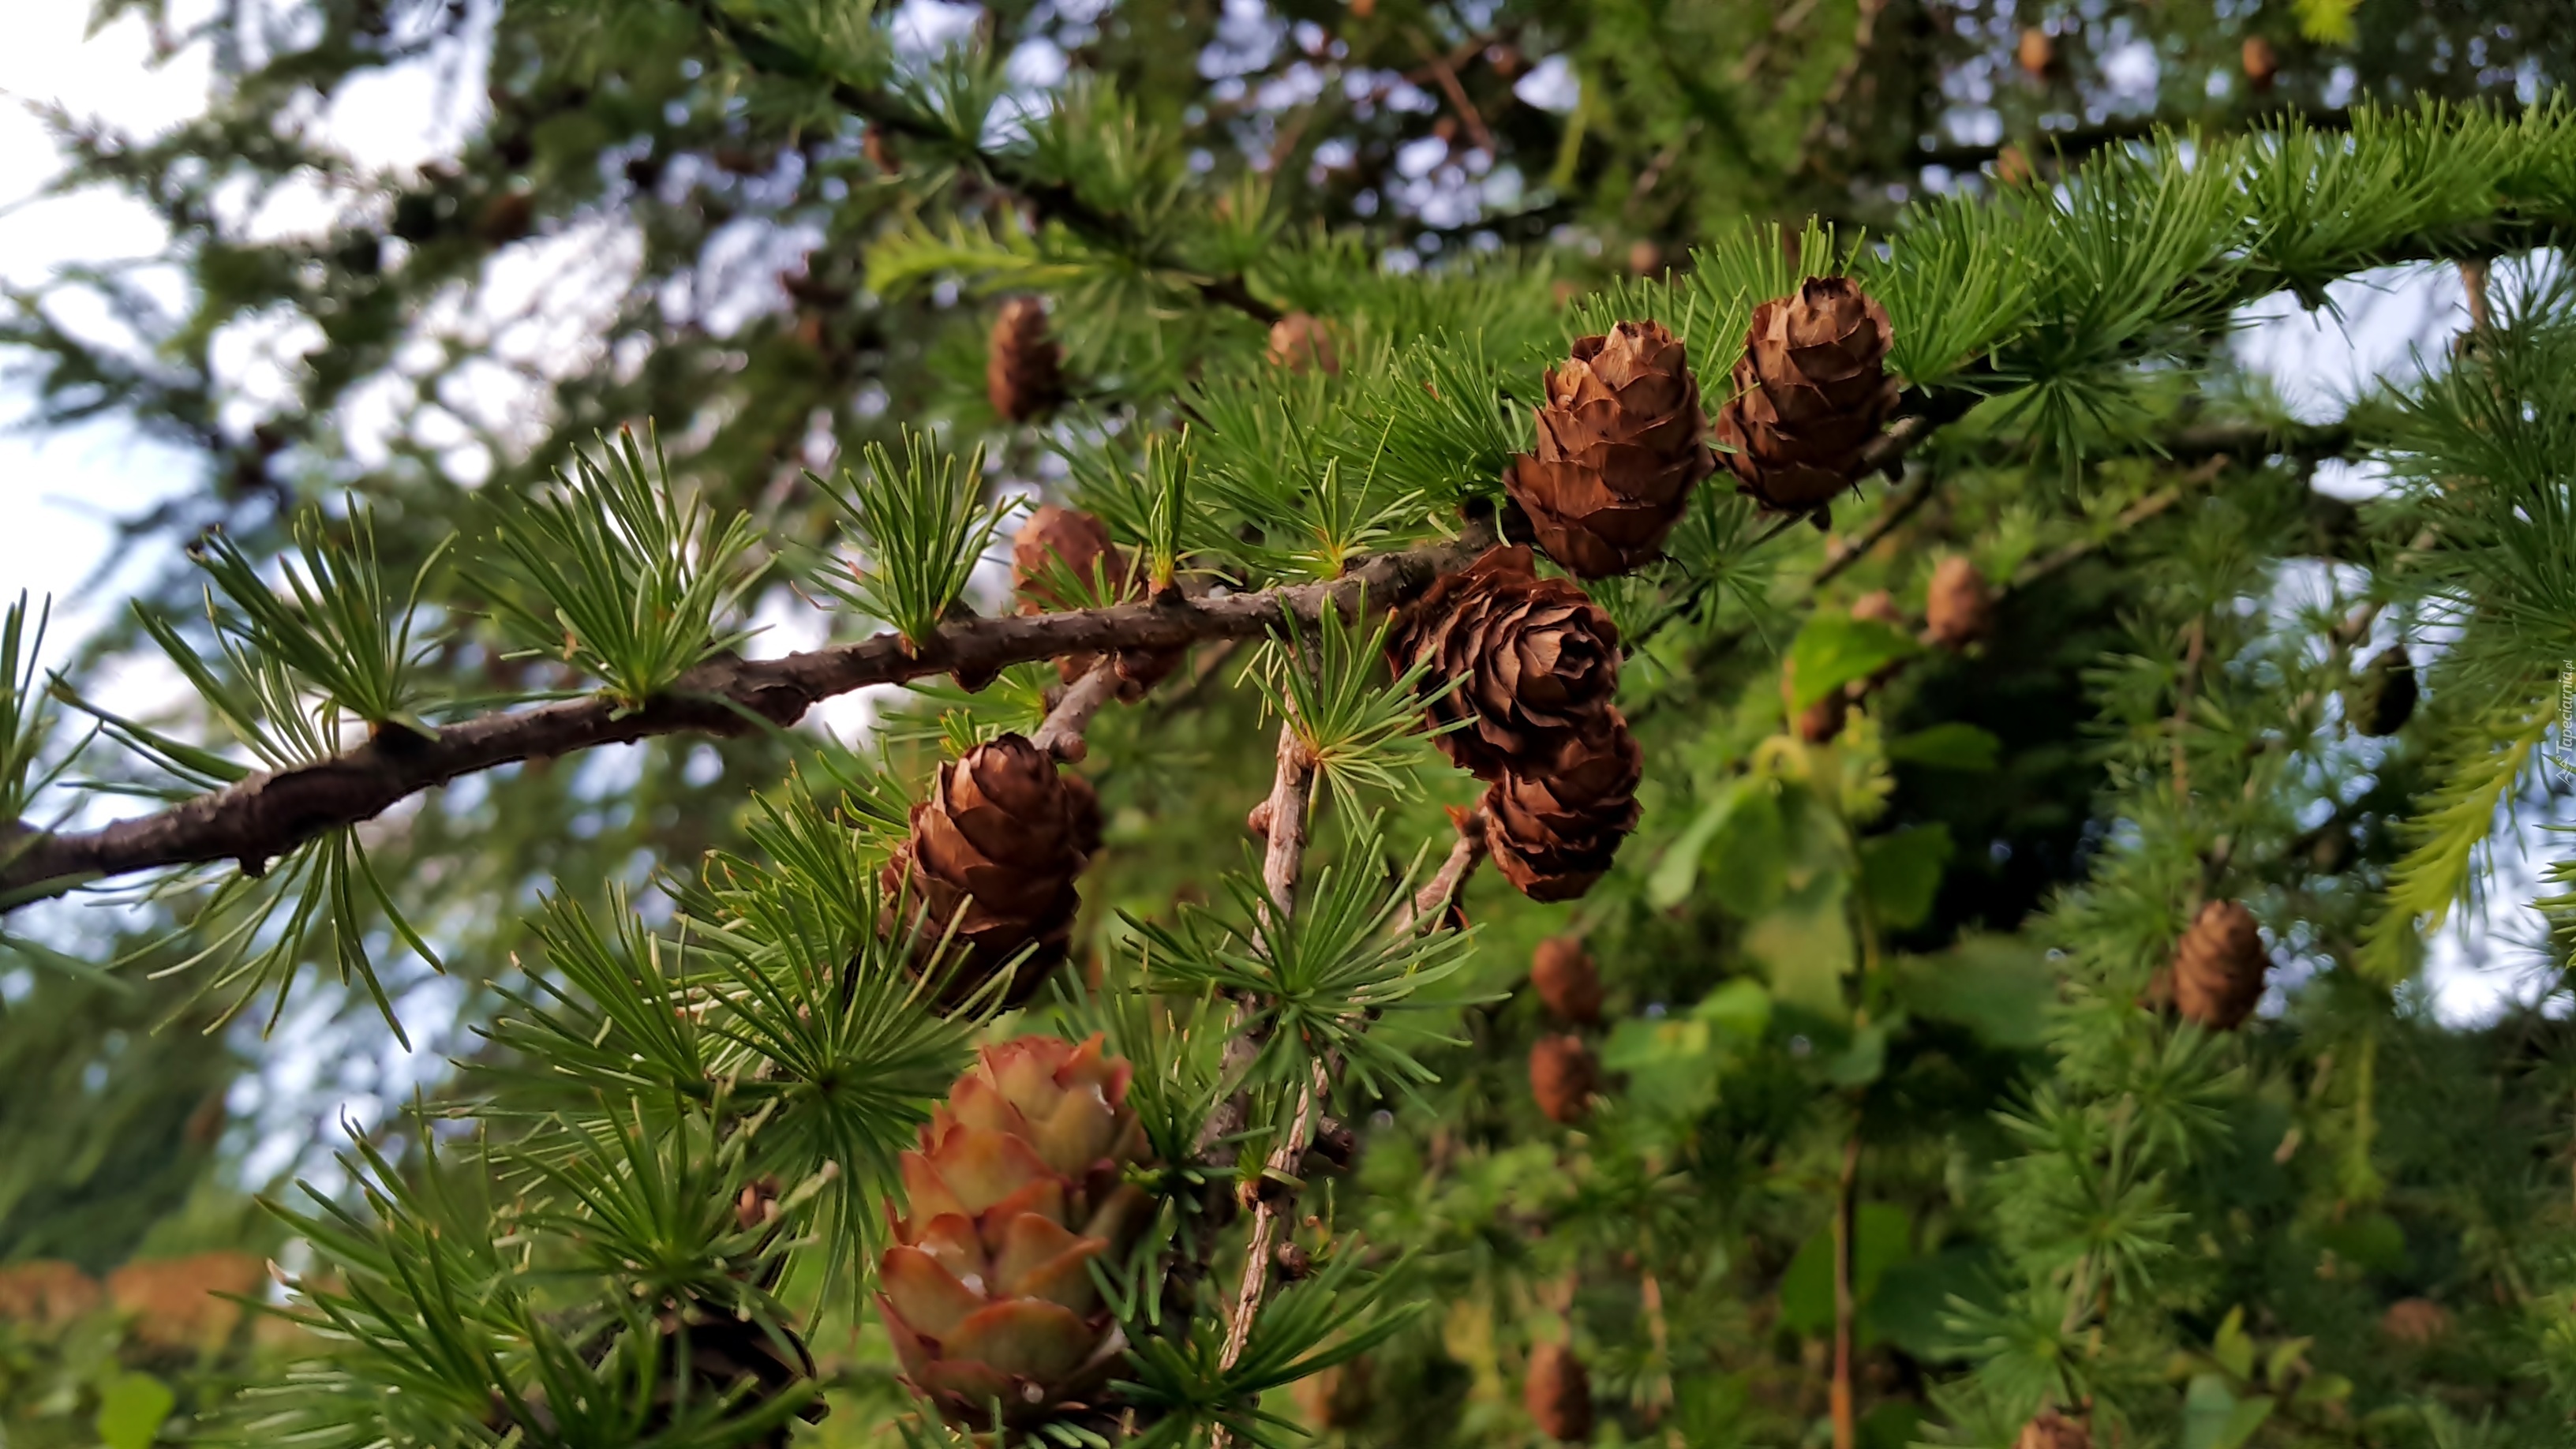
(1622, 442)
(1535, 664)
(1564, 1074)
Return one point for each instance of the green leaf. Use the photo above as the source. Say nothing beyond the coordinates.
(2214, 1418)
(1860, 1064)
(131, 1409)
(2371, 1240)
(1748, 855)
(1674, 875)
(1805, 944)
(1999, 987)
(1901, 873)
(2234, 1348)
(1951, 745)
(1740, 1010)
(1912, 1306)
(1835, 649)
(1881, 1239)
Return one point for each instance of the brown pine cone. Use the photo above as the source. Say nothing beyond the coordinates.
(1567, 981)
(1300, 341)
(1558, 1393)
(1060, 547)
(1059, 541)
(1539, 661)
(2036, 52)
(1553, 826)
(1563, 1076)
(2218, 967)
(1879, 607)
(1958, 608)
(2415, 1322)
(1818, 722)
(996, 849)
(1621, 444)
(2262, 63)
(1339, 1397)
(1810, 393)
(1024, 370)
(2053, 1430)
(2383, 699)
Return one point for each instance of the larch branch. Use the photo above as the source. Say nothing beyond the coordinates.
(271, 813)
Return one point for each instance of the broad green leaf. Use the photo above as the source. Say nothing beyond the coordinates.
(1805, 945)
(1951, 745)
(1740, 1009)
(1881, 1238)
(1747, 856)
(1900, 874)
(1999, 987)
(131, 1409)
(1835, 649)
(2233, 1348)
(2214, 1418)
(2371, 1240)
(1674, 875)
(1859, 1064)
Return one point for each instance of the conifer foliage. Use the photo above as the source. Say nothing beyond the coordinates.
(1944, 975)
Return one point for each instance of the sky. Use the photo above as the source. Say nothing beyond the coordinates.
(63, 490)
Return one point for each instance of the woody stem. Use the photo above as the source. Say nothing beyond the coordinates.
(1292, 792)
(1430, 902)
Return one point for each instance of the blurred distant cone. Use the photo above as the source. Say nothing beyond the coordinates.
(2218, 967)
(1558, 1393)
(1567, 981)
(1563, 1076)
(1024, 369)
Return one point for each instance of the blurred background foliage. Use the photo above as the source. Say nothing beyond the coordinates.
(647, 225)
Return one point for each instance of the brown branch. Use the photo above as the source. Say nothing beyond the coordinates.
(1846, 1304)
(1292, 794)
(1060, 734)
(2081, 141)
(1447, 74)
(1432, 901)
(268, 814)
(1844, 554)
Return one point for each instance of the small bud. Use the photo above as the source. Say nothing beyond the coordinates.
(1257, 821)
(1335, 1148)
(1295, 1263)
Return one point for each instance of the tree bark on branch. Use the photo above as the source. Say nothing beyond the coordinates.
(269, 813)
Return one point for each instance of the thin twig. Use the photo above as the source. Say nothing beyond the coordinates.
(1903, 506)
(1468, 115)
(1431, 902)
(1292, 794)
(1060, 734)
(1846, 1203)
